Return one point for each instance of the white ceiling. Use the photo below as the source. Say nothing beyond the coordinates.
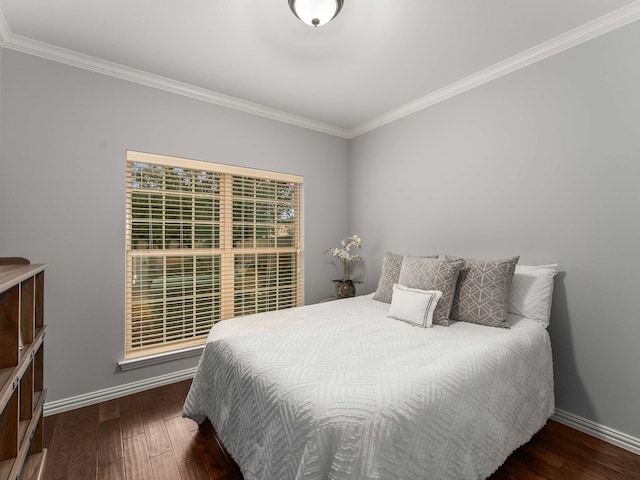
(375, 58)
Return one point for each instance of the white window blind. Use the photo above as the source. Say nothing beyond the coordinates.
(206, 242)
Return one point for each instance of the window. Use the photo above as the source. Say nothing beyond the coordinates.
(206, 242)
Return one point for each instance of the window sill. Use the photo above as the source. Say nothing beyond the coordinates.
(134, 363)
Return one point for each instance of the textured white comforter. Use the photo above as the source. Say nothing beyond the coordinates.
(339, 391)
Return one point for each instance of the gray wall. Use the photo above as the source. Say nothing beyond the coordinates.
(544, 163)
(62, 197)
(0, 131)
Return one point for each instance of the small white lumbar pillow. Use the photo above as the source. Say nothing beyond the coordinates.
(532, 291)
(413, 306)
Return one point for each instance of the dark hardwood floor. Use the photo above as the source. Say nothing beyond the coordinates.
(143, 436)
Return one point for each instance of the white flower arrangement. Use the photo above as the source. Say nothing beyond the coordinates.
(345, 256)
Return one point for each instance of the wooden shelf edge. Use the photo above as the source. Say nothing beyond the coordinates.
(35, 466)
(25, 442)
(29, 352)
(5, 468)
(36, 396)
(6, 389)
(11, 275)
(23, 426)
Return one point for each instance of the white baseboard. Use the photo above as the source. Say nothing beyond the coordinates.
(589, 427)
(594, 429)
(71, 403)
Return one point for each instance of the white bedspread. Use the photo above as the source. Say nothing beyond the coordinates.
(339, 391)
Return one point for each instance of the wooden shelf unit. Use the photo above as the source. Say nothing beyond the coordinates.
(22, 391)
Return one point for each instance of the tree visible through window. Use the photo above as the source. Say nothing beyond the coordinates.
(206, 242)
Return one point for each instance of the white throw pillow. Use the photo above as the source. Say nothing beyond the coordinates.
(413, 305)
(532, 291)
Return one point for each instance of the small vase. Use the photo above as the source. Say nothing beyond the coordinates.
(345, 289)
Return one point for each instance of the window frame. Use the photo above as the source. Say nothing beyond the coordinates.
(224, 245)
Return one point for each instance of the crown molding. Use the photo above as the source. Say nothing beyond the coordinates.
(86, 62)
(595, 28)
(4, 29)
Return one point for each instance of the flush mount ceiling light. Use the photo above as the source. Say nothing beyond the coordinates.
(315, 12)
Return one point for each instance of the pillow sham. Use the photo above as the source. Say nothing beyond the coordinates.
(432, 274)
(532, 291)
(391, 265)
(482, 291)
(413, 305)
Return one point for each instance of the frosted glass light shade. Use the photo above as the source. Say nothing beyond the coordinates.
(315, 12)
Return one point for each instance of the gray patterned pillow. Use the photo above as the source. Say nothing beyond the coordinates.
(391, 265)
(390, 273)
(431, 274)
(482, 293)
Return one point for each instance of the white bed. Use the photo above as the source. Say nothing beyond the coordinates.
(338, 390)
